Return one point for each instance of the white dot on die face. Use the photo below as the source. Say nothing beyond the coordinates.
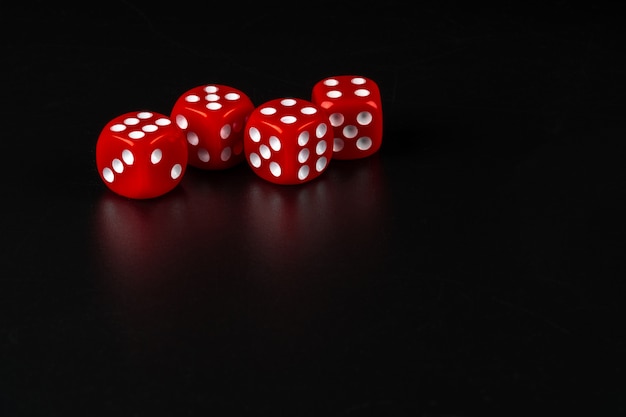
(303, 138)
(321, 164)
(192, 98)
(136, 134)
(177, 169)
(308, 110)
(150, 128)
(232, 96)
(254, 134)
(181, 121)
(275, 169)
(192, 138)
(364, 143)
(358, 81)
(213, 106)
(265, 151)
(320, 130)
(155, 156)
(362, 92)
(336, 119)
(288, 102)
(225, 131)
(331, 82)
(303, 172)
(226, 153)
(212, 97)
(131, 121)
(144, 115)
(288, 119)
(255, 160)
(275, 143)
(203, 155)
(128, 157)
(364, 118)
(268, 111)
(163, 122)
(211, 89)
(118, 127)
(117, 166)
(108, 175)
(303, 155)
(350, 131)
(333, 94)
(338, 144)
(321, 147)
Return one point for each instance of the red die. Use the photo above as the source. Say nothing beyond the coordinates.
(141, 155)
(287, 141)
(354, 110)
(213, 117)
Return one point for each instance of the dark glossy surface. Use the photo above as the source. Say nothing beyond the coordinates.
(474, 266)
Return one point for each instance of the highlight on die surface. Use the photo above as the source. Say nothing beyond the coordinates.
(288, 141)
(141, 155)
(354, 108)
(212, 118)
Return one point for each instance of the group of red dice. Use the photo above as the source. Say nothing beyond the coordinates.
(145, 154)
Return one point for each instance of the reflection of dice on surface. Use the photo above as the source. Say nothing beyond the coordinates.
(141, 155)
(353, 104)
(287, 141)
(212, 118)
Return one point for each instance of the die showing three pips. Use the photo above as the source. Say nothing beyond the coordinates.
(145, 154)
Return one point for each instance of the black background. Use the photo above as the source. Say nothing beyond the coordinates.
(473, 266)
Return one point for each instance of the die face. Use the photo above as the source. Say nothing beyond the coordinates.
(141, 155)
(354, 109)
(288, 141)
(212, 118)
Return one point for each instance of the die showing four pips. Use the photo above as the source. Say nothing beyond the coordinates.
(145, 154)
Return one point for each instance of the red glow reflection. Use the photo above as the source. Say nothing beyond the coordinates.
(220, 226)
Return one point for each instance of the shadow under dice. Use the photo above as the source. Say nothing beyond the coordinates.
(212, 118)
(288, 141)
(141, 155)
(353, 104)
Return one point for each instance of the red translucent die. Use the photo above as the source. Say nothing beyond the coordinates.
(212, 118)
(141, 155)
(288, 141)
(354, 109)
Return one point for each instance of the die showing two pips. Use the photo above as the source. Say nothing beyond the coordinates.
(145, 154)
